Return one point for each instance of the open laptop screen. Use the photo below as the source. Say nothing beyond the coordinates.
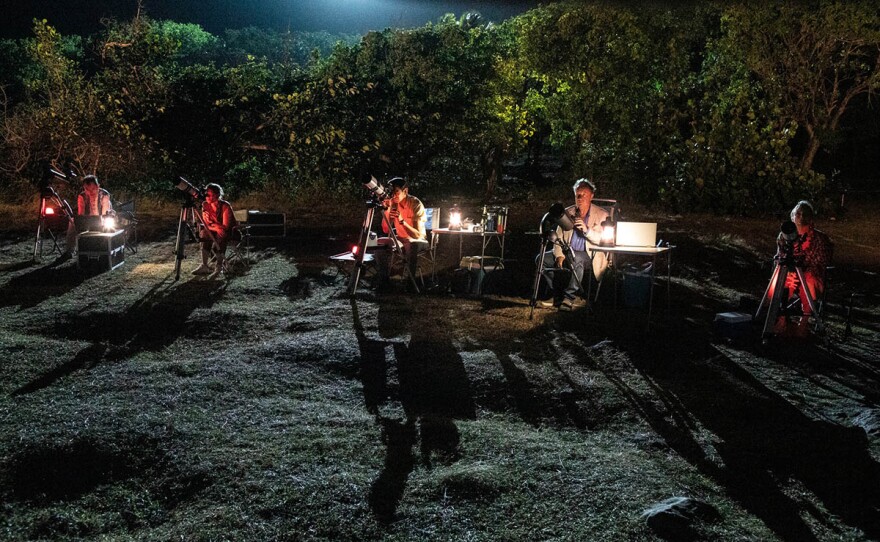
(88, 223)
(636, 234)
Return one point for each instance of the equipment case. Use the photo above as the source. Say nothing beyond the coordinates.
(100, 251)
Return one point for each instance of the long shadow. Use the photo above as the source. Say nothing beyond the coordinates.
(764, 440)
(32, 288)
(85, 359)
(431, 387)
(152, 323)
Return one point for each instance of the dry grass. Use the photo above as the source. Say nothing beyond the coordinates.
(272, 407)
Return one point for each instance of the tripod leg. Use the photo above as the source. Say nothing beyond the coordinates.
(811, 301)
(539, 272)
(38, 241)
(361, 252)
(805, 293)
(777, 282)
(179, 242)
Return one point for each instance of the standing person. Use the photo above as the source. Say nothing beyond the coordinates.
(406, 214)
(587, 219)
(812, 250)
(219, 223)
(92, 201)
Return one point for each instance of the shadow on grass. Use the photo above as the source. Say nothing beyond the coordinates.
(764, 441)
(429, 382)
(152, 323)
(48, 281)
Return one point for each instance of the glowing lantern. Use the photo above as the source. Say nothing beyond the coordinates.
(48, 211)
(455, 218)
(607, 239)
(108, 222)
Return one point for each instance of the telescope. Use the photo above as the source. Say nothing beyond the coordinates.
(377, 191)
(191, 191)
(557, 215)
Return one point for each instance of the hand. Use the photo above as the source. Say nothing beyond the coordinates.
(579, 225)
(394, 213)
(559, 261)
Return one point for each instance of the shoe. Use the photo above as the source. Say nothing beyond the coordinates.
(547, 303)
(202, 270)
(569, 305)
(216, 274)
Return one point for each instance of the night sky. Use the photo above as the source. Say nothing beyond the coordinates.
(337, 16)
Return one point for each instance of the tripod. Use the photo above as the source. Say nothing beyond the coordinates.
(774, 292)
(49, 201)
(364, 238)
(549, 237)
(190, 220)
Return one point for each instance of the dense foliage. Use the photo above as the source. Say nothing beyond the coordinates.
(712, 106)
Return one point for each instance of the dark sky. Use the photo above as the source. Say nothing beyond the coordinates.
(348, 16)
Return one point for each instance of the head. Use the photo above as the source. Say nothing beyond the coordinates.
(583, 194)
(213, 192)
(91, 185)
(803, 215)
(399, 189)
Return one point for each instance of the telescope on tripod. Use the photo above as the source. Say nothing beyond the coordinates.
(376, 198)
(776, 294)
(55, 212)
(554, 218)
(190, 221)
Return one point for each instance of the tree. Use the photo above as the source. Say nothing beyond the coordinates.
(814, 57)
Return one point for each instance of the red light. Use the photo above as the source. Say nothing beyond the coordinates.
(354, 250)
(48, 211)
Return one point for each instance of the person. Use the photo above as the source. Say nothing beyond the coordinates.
(406, 214)
(219, 224)
(92, 201)
(811, 250)
(587, 219)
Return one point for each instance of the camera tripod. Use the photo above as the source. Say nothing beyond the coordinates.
(190, 220)
(773, 295)
(364, 238)
(549, 238)
(49, 198)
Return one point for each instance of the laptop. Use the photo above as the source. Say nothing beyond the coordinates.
(88, 223)
(432, 218)
(636, 234)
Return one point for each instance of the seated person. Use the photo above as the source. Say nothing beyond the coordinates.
(219, 222)
(812, 250)
(406, 214)
(92, 201)
(587, 230)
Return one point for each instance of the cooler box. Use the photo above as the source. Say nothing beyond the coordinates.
(636, 289)
(735, 326)
(100, 251)
(471, 275)
(266, 224)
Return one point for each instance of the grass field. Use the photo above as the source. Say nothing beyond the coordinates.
(272, 406)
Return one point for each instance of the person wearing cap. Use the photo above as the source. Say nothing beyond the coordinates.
(587, 219)
(219, 226)
(406, 214)
(92, 201)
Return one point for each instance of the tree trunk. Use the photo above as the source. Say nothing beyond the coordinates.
(491, 161)
(810, 154)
